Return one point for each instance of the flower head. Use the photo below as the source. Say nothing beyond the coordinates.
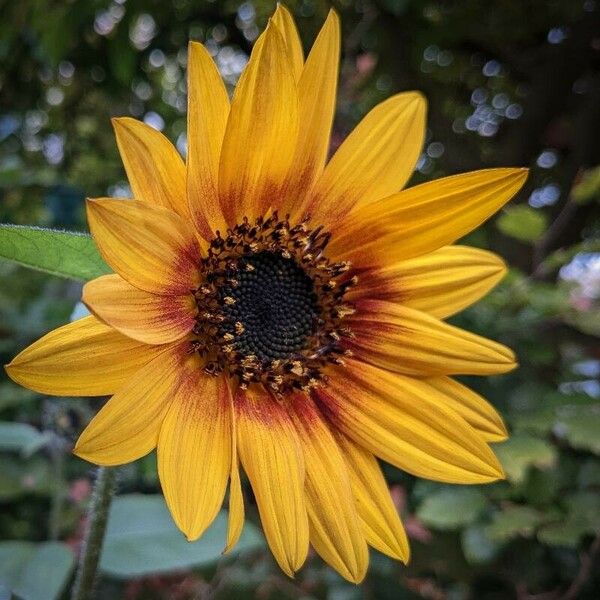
(274, 308)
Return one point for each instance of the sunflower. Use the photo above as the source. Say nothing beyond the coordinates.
(277, 310)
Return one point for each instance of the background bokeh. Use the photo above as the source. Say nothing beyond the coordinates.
(509, 83)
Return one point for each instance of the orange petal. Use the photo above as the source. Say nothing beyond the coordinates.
(84, 358)
(423, 218)
(317, 89)
(441, 283)
(374, 161)
(408, 341)
(379, 517)
(403, 421)
(236, 499)
(272, 458)
(152, 248)
(194, 450)
(127, 426)
(149, 318)
(261, 132)
(154, 168)
(335, 530)
(208, 109)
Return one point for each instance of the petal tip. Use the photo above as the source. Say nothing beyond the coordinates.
(415, 101)
(77, 451)
(500, 473)
(120, 123)
(357, 578)
(17, 372)
(93, 204)
(496, 470)
(398, 551)
(522, 174)
(11, 370)
(81, 453)
(333, 16)
(518, 173)
(288, 570)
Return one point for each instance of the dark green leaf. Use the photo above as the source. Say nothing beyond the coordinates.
(477, 546)
(35, 571)
(512, 522)
(63, 253)
(566, 533)
(582, 518)
(142, 539)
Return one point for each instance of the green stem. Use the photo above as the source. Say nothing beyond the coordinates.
(94, 534)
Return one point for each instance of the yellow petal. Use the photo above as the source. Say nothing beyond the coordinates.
(261, 132)
(425, 217)
(474, 409)
(400, 420)
(149, 318)
(127, 426)
(272, 458)
(154, 168)
(236, 507)
(208, 109)
(316, 96)
(335, 530)
(378, 515)
(409, 341)
(284, 22)
(83, 358)
(236, 499)
(150, 247)
(374, 161)
(441, 283)
(194, 449)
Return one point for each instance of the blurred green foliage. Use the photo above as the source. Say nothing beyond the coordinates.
(509, 83)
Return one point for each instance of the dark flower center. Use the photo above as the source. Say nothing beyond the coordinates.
(276, 304)
(271, 305)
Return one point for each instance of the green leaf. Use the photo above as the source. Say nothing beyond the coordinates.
(585, 505)
(523, 223)
(35, 571)
(566, 533)
(581, 429)
(589, 474)
(451, 508)
(522, 451)
(588, 187)
(141, 539)
(63, 253)
(477, 546)
(512, 522)
(582, 518)
(20, 437)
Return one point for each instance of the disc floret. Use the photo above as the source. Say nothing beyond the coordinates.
(271, 305)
